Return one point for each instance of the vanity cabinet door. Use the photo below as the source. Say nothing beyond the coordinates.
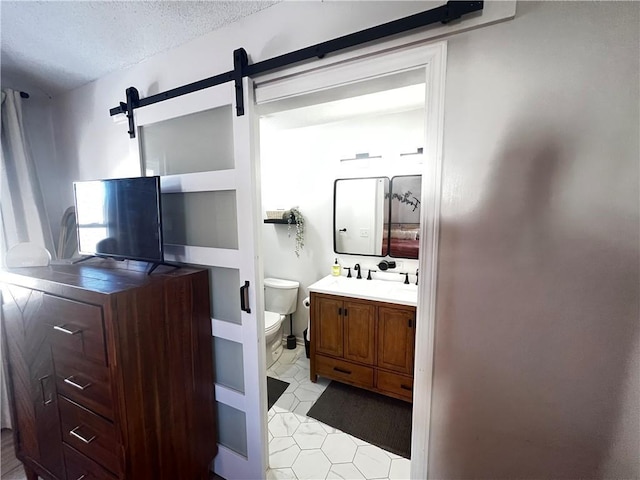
(328, 328)
(396, 338)
(359, 332)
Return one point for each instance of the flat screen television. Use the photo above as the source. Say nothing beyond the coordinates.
(120, 218)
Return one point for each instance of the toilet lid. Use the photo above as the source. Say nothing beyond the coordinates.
(272, 319)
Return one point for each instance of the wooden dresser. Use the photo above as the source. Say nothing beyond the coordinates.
(365, 343)
(110, 372)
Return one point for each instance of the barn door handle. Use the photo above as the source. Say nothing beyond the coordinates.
(244, 297)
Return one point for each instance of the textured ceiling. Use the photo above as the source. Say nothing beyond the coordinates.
(55, 46)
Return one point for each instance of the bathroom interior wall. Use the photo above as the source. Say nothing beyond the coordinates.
(299, 167)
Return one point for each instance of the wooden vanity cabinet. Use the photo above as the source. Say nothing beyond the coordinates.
(364, 343)
(110, 372)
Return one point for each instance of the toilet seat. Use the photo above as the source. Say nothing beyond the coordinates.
(272, 322)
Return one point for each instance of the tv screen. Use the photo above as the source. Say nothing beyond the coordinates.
(120, 218)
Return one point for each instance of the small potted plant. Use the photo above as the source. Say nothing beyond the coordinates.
(295, 217)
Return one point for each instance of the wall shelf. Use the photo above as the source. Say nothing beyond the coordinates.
(280, 221)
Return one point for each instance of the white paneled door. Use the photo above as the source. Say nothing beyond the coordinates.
(206, 157)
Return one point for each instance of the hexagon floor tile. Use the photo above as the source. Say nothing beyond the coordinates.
(314, 450)
(283, 451)
(309, 435)
(344, 471)
(372, 461)
(311, 465)
(400, 469)
(339, 448)
(281, 474)
(283, 424)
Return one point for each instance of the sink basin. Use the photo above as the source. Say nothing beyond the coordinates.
(379, 290)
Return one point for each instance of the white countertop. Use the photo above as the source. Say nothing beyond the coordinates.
(379, 290)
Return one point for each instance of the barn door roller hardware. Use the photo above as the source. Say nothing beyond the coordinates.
(452, 10)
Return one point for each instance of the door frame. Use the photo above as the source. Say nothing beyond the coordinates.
(369, 62)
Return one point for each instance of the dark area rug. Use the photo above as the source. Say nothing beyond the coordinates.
(275, 388)
(374, 418)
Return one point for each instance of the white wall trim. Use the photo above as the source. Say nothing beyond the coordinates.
(428, 264)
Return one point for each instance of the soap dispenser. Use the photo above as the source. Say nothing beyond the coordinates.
(336, 270)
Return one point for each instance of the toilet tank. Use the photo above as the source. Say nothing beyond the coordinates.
(280, 296)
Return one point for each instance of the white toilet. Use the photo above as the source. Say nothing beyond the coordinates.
(280, 299)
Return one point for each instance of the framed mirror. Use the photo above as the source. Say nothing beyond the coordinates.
(361, 216)
(404, 227)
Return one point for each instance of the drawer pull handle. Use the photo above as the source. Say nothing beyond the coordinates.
(70, 381)
(61, 328)
(406, 387)
(81, 477)
(80, 437)
(342, 370)
(45, 401)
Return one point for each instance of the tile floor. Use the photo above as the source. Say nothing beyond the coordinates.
(303, 448)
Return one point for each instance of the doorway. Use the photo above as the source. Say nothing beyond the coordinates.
(381, 117)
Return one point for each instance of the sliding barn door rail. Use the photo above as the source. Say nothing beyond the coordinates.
(452, 10)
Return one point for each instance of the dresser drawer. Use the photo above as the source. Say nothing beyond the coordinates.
(81, 467)
(398, 384)
(84, 382)
(77, 327)
(344, 371)
(88, 433)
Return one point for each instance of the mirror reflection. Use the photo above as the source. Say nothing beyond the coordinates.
(361, 216)
(404, 228)
(378, 217)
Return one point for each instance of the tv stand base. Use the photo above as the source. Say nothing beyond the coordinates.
(157, 264)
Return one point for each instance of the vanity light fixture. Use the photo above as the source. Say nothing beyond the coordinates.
(419, 151)
(360, 156)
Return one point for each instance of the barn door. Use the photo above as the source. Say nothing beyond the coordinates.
(205, 155)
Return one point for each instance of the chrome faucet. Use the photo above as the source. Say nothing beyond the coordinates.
(356, 267)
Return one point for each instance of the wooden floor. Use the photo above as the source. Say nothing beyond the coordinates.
(11, 466)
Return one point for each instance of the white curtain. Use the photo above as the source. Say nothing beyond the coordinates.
(23, 216)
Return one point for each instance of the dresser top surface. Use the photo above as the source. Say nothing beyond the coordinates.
(95, 278)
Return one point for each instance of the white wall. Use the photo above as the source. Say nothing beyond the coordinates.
(537, 361)
(537, 366)
(299, 167)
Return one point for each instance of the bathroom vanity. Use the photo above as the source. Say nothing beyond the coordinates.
(363, 334)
